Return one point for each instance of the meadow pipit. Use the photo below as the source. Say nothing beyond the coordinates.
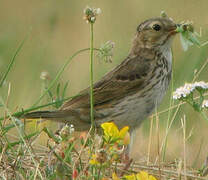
(130, 92)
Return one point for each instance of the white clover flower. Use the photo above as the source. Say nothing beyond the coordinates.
(67, 130)
(92, 19)
(87, 10)
(71, 128)
(205, 104)
(201, 85)
(106, 51)
(98, 11)
(91, 13)
(44, 75)
(184, 91)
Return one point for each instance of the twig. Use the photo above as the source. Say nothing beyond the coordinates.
(200, 70)
(81, 151)
(151, 168)
(158, 142)
(150, 140)
(183, 123)
(164, 143)
(175, 106)
(21, 137)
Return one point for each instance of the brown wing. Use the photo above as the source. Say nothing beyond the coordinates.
(126, 78)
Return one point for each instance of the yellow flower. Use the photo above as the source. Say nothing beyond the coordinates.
(93, 160)
(112, 134)
(115, 177)
(140, 176)
(131, 177)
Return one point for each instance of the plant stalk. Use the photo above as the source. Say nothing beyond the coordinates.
(91, 77)
(58, 75)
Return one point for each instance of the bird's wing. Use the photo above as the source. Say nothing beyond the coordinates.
(128, 77)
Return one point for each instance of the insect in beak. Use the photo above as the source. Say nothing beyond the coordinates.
(173, 30)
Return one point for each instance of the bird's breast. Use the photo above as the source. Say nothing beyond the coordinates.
(134, 108)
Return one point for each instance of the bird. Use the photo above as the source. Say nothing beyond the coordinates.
(131, 91)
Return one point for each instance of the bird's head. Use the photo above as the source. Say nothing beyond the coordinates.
(155, 33)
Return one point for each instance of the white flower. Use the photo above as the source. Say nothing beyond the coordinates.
(184, 91)
(201, 85)
(71, 128)
(205, 104)
(106, 51)
(87, 9)
(92, 19)
(44, 75)
(91, 13)
(98, 11)
(188, 88)
(67, 130)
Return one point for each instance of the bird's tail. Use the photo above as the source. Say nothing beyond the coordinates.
(69, 117)
(44, 114)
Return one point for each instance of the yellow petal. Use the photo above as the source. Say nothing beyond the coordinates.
(115, 177)
(142, 175)
(123, 132)
(145, 176)
(110, 129)
(106, 126)
(152, 177)
(131, 177)
(114, 131)
(93, 160)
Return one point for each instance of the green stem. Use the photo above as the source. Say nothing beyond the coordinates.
(34, 107)
(91, 78)
(204, 115)
(60, 73)
(12, 61)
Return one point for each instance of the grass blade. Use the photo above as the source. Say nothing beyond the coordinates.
(12, 61)
(58, 75)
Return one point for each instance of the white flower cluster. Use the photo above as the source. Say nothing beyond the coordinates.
(205, 104)
(183, 91)
(106, 51)
(201, 85)
(188, 88)
(91, 13)
(66, 130)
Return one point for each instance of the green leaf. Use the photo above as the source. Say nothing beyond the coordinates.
(7, 128)
(58, 91)
(50, 95)
(64, 90)
(51, 135)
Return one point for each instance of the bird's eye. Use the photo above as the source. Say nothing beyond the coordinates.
(156, 27)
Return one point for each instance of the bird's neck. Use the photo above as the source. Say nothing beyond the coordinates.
(150, 52)
(167, 53)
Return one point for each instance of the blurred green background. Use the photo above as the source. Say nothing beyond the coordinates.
(56, 30)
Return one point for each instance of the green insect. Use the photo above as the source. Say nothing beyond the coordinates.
(187, 35)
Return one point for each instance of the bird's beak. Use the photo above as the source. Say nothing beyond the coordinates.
(173, 29)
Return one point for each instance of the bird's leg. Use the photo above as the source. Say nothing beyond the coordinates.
(127, 160)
